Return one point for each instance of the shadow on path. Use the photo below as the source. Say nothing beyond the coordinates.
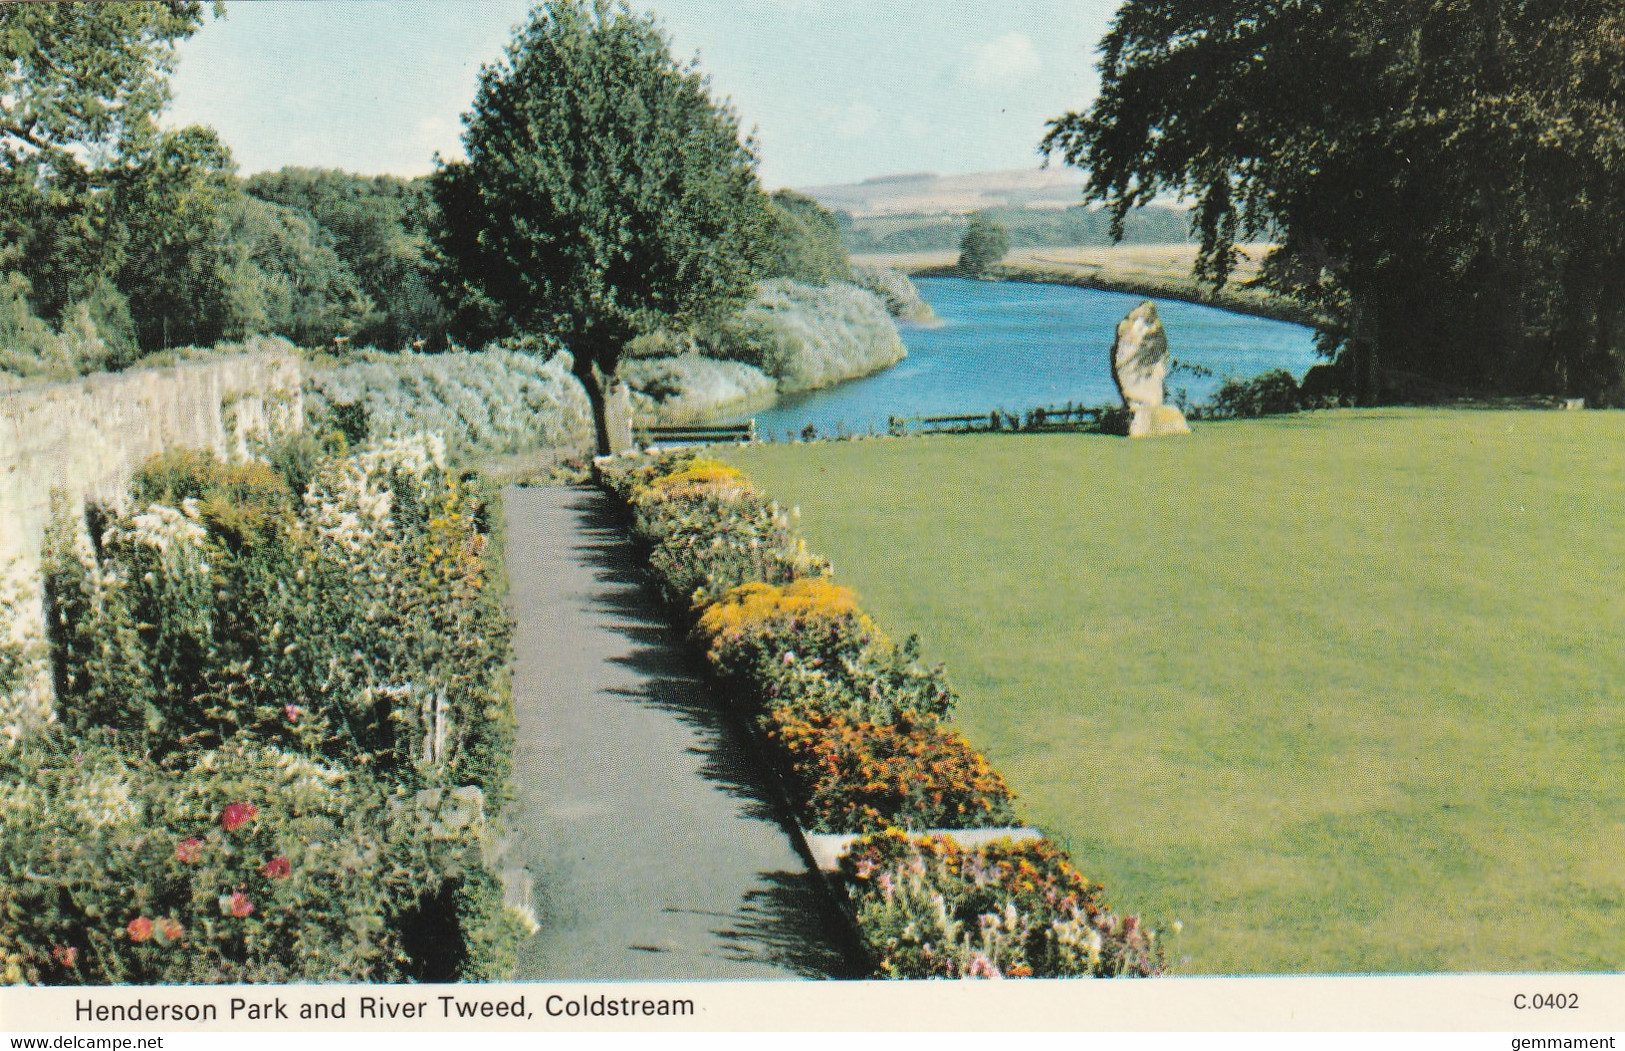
(655, 834)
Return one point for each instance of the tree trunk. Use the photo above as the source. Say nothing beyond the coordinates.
(1605, 383)
(586, 370)
(1363, 348)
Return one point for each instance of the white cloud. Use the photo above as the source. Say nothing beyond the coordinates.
(1005, 60)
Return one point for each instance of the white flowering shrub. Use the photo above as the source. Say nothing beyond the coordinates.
(806, 337)
(358, 621)
(486, 403)
(688, 387)
(24, 698)
(895, 290)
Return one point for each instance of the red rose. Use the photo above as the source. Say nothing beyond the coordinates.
(189, 850)
(236, 904)
(236, 815)
(276, 868)
(170, 930)
(139, 929)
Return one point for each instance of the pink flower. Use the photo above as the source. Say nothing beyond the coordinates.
(235, 904)
(66, 955)
(170, 930)
(276, 868)
(293, 712)
(139, 929)
(982, 967)
(236, 815)
(189, 850)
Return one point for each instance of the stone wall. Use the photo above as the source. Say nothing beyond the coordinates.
(84, 438)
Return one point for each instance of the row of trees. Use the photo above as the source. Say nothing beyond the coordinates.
(1447, 176)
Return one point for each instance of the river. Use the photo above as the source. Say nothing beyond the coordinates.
(1013, 346)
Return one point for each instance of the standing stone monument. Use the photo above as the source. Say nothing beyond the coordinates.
(1140, 370)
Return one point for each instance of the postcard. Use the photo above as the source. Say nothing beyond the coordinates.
(585, 516)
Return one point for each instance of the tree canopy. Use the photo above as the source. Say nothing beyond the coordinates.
(379, 230)
(605, 195)
(1447, 175)
(81, 86)
(803, 242)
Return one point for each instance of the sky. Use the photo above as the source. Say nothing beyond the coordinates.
(836, 90)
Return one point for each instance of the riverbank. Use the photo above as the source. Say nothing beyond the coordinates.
(1155, 271)
(1015, 346)
(790, 339)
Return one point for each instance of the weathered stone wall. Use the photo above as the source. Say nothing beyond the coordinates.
(85, 438)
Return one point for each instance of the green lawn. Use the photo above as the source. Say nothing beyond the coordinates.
(1341, 692)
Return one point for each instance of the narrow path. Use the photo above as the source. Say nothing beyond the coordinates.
(654, 850)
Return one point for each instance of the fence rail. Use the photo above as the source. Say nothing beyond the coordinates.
(1052, 418)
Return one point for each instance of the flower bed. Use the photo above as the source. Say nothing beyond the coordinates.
(258, 865)
(708, 530)
(853, 722)
(927, 908)
(283, 730)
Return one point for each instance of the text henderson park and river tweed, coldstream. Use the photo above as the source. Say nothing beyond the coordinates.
(556, 1005)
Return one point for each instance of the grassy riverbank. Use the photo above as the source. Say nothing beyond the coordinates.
(1162, 271)
(1338, 691)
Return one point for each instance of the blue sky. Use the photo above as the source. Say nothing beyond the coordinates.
(837, 90)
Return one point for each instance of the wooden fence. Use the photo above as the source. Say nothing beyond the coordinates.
(1046, 418)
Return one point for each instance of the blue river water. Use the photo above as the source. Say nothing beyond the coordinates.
(1014, 347)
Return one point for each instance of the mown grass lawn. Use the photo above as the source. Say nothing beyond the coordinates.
(1342, 692)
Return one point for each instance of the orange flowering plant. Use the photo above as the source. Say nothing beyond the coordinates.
(860, 777)
(854, 723)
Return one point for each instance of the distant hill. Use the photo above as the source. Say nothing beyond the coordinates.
(923, 193)
(1041, 208)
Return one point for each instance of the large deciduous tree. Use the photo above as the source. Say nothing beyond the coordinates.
(81, 86)
(605, 193)
(1448, 176)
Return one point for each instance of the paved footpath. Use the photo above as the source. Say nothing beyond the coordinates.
(653, 849)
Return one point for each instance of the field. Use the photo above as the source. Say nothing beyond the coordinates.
(1141, 269)
(1340, 692)
(1161, 262)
